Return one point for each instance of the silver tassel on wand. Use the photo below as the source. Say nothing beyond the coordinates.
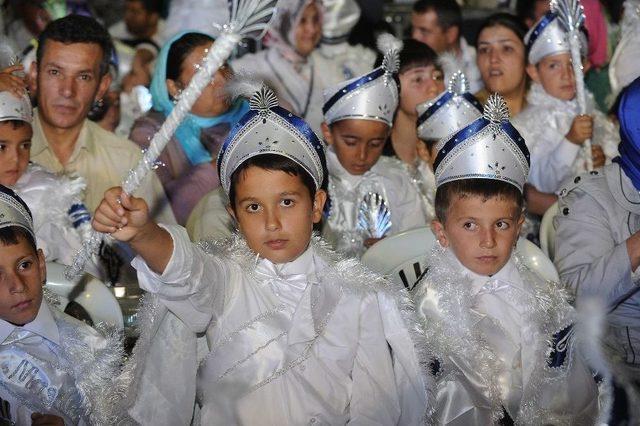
(374, 216)
(249, 18)
(571, 16)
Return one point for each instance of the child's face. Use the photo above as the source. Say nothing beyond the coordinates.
(15, 147)
(419, 85)
(358, 144)
(22, 272)
(481, 233)
(275, 213)
(555, 74)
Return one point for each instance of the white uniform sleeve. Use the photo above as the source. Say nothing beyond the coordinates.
(587, 257)
(406, 210)
(374, 399)
(193, 285)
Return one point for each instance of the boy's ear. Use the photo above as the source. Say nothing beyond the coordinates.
(423, 152)
(519, 223)
(231, 212)
(326, 133)
(532, 70)
(437, 228)
(318, 204)
(42, 266)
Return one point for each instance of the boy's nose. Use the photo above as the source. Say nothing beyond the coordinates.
(362, 153)
(488, 239)
(16, 284)
(273, 221)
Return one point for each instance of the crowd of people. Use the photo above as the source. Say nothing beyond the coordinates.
(303, 152)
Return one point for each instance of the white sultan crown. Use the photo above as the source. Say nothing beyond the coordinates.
(450, 111)
(373, 96)
(488, 148)
(549, 36)
(15, 108)
(270, 129)
(13, 211)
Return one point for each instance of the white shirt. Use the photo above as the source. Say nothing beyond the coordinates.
(544, 124)
(285, 346)
(489, 336)
(389, 178)
(45, 345)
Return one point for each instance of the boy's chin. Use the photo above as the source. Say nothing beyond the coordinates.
(486, 268)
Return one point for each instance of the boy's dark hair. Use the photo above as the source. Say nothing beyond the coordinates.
(11, 235)
(180, 49)
(485, 188)
(77, 29)
(525, 9)
(448, 11)
(151, 6)
(506, 20)
(277, 163)
(15, 124)
(416, 54)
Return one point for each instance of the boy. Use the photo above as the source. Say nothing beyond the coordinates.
(358, 115)
(438, 118)
(53, 368)
(61, 220)
(550, 122)
(295, 335)
(598, 238)
(489, 318)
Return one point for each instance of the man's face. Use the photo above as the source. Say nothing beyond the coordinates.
(68, 82)
(138, 20)
(425, 28)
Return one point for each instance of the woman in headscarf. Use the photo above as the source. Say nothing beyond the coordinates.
(188, 170)
(287, 66)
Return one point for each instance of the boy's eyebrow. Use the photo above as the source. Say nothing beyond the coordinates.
(246, 199)
(289, 193)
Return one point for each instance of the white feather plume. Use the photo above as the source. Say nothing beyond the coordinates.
(390, 47)
(449, 63)
(243, 85)
(8, 55)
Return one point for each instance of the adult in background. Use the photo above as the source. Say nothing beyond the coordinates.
(71, 74)
(502, 60)
(287, 65)
(437, 23)
(189, 169)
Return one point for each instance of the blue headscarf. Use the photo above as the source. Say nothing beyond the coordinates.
(188, 133)
(629, 148)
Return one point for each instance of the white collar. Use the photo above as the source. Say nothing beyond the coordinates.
(43, 325)
(302, 265)
(508, 274)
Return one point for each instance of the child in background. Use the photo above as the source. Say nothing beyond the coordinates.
(54, 370)
(295, 335)
(61, 221)
(488, 317)
(551, 123)
(437, 119)
(358, 116)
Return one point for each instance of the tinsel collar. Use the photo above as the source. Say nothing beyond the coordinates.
(447, 294)
(537, 96)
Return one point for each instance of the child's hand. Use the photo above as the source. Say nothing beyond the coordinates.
(581, 129)
(11, 83)
(597, 154)
(38, 419)
(121, 215)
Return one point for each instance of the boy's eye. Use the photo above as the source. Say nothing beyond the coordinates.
(253, 207)
(483, 50)
(376, 143)
(501, 224)
(25, 265)
(470, 226)
(25, 145)
(287, 202)
(2, 147)
(53, 72)
(85, 77)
